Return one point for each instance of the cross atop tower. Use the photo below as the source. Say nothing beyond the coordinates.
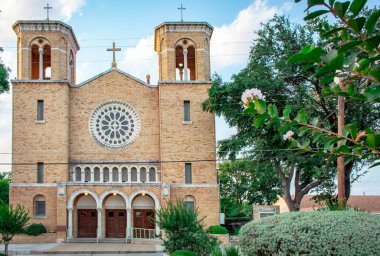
(113, 49)
(182, 9)
(47, 8)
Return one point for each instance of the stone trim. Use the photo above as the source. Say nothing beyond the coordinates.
(194, 185)
(33, 184)
(46, 25)
(184, 82)
(117, 184)
(117, 70)
(40, 81)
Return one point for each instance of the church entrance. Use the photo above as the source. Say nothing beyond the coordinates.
(143, 217)
(87, 223)
(116, 223)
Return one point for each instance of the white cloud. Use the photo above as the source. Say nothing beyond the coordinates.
(142, 60)
(69, 7)
(230, 43)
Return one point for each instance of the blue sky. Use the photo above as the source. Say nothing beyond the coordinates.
(97, 23)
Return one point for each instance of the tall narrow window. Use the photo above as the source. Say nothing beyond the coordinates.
(39, 205)
(40, 172)
(40, 110)
(186, 111)
(188, 173)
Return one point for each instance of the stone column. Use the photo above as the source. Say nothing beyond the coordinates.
(101, 175)
(185, 64)
(99, 235)
(41, 63)
(70, 224)
(129, 224)
(92, 175)
(119, 175)
(83, 175)
(157, 226)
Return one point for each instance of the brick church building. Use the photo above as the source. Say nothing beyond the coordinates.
(97, 159)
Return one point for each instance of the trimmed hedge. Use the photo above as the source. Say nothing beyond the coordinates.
(217, 230)
(183, 253)
(35, 229)
(313, 233)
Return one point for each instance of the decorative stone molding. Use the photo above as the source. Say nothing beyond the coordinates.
(46, 26)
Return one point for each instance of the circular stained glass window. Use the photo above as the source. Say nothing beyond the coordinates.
(114, 124)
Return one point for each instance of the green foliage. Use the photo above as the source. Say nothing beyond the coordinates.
(5, 179)
(35, 229)
(4, 76)
(184, 230)
(232, 251)
(12, 221)
(183, 253)
(348, 66)
(217, 229)
(217, 251)
(312, 233)
(245, 182)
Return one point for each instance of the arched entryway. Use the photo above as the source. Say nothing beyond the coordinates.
(115, 212)
(83, 214)
(144, 205)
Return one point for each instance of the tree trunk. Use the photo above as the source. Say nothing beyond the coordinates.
(6, 248)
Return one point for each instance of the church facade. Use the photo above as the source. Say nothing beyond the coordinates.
(99, 158)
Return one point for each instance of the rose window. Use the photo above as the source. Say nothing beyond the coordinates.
(114, 124)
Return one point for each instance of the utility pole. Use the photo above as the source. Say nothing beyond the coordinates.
(340, 161)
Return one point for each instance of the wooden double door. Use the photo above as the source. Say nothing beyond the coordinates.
(143, 222)
(87, 223)
(116, 223)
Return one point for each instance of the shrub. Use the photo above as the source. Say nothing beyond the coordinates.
(217, 229)
(232, 251)
(217, 251)
(312, 233)
(184, 231)
(183, 253)
(35, 229)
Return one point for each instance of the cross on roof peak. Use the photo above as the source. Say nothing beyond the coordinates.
(113, 49)
(182, 9)
(47, 8)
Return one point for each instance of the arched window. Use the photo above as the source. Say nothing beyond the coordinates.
(97, 174)
(40, 59)
(39, 203)
(78, 173)
(152, 174)
(72, 67)
(87, 174)
(124, 174)
(115, 174)
(133, 174)
(179, 63)
(191, 62)
(189, 202)
(106, 174)
(142, 174)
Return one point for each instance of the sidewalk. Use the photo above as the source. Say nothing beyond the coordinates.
(85, 249)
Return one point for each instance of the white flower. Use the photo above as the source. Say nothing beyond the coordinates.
(288, 135)
(250, 95)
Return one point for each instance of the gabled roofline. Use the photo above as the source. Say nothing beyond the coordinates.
(117, 70)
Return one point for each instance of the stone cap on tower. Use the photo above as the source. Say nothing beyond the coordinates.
(46, 26)
(181, 27)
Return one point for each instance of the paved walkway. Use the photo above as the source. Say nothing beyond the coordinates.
(86, 249)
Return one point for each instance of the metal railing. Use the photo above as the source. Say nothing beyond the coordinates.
(143, 233)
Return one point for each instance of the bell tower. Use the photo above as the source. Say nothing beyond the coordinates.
(46, 50)
(183, 50)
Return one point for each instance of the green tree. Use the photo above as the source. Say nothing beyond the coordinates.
(349, 70)
(245, 182)
(269, 71)
(12, 221)
(5, 179)
(4, 76)
(183, 229)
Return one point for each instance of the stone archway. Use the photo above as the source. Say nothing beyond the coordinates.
(114, 204)
(83, 214)
(144, 204)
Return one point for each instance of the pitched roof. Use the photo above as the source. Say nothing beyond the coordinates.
(366, 203)
(117, 70)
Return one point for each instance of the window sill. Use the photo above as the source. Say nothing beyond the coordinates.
(40, 217)
(187, 122)
(40, 121)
